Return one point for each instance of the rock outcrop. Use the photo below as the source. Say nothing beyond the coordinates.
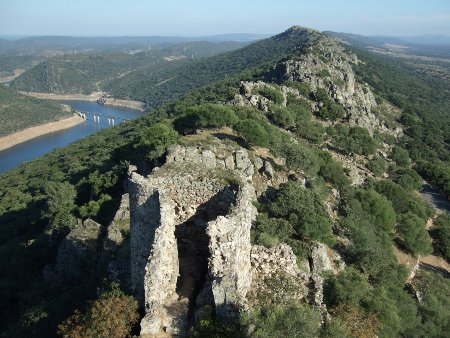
(190, 237)
(327, 65)
(76, 252)
(278, 277)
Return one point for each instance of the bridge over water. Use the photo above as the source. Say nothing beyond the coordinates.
(97, 116)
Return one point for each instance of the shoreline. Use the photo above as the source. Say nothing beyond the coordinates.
(14, 139)
(94, 97)
(67, 97)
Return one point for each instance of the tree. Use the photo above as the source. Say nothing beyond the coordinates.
(377, 165)
(294, 320)
(154, 140)
(271, 94)
(400, 156)
(270, 231)
(303, 208)
(413, 234)
(441, 231)
(253, 132)
(283, 117)
(377, 208)
(60, 204)
(112, 315)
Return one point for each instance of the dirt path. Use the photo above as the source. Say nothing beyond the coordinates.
(32, 132)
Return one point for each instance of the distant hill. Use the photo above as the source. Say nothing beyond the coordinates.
(18, 112)
(428, 45)
(156, 85)
(40, 44)
(85, 73)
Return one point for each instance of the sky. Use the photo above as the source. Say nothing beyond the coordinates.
(209, 17)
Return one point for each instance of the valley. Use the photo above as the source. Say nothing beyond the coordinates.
(269, 190)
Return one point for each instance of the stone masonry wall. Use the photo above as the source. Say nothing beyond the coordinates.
(229, 266)
(194, 185)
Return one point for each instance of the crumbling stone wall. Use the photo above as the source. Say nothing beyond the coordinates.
(197, 191)
(229, 266)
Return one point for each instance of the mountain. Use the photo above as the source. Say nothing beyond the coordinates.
(279, 200)
(157, 85)
(87, 72)
(415, 47)
(41, 44)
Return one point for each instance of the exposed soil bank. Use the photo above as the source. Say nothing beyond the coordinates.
(97, 96)
(122, 103)
(32, 132)
(63, 97)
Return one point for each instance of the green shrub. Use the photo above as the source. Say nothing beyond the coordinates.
(253, 132)
(311, 131)
(377, 209)
(400, 156)
(154, 140)
(217, 328)
(441, 232)
(434, 308)
(332, 112)
(304, 210)
(414, 236)
(301, 157)
(406, 177)
(334, 173)
(112, 315)
(205, 116)
(303, 88)
(271, 94)
(283, 117)
(323, 73)
(60, 204)
(353, 139)
(377, 165)
(295, 320)
(271, 231)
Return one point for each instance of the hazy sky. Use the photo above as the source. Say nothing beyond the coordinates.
(207, 17)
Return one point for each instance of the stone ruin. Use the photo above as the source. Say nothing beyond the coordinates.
(190, 237)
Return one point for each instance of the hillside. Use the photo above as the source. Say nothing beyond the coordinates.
(81, 73)
(159, 85)
(18, 112)
(270, 203)
(84, 73)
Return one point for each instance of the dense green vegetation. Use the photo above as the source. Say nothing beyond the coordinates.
(86, 72)
(18, 111)
(157, 85)
(8, 64)
(441, 232)
(82, 73)
(120, 309)
(40, 202)
(425, 104)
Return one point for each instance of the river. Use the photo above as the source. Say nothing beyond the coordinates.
(12, 157)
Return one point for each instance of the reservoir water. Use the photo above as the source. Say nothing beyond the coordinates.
(12, 157)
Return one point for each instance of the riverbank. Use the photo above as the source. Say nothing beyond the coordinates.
(66, 97)
(33, 132)
(94, 97)
(137, 105)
